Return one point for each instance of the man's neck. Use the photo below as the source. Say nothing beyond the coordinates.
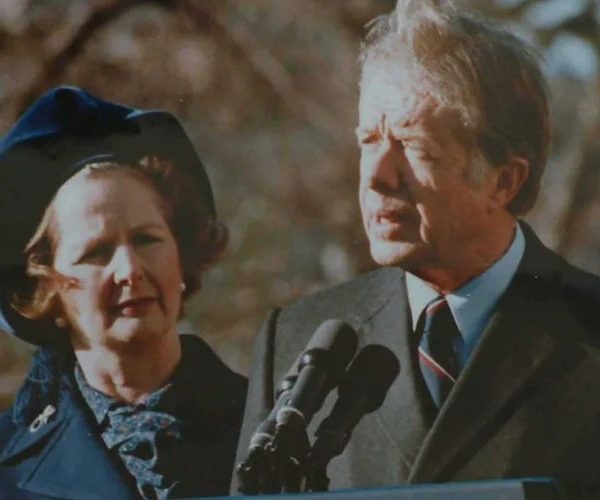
(472, 260)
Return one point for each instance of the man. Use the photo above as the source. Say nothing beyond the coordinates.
(454, 136)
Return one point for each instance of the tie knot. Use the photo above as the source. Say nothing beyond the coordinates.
(439, 329)
(436, 308)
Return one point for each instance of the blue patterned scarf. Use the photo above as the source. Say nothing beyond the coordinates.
(146, 437)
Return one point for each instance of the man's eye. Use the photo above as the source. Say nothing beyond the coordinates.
(368, 140)
(418, 151)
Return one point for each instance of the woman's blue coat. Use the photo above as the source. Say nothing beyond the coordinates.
(64, 456)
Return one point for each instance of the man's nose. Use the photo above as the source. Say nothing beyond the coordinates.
(127, 268)
(384, 174)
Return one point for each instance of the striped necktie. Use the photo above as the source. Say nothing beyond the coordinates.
(438, 357)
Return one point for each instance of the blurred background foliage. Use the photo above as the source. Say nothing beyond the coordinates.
(267, 91)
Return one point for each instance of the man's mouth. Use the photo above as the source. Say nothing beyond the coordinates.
(393, 216)
(400, 214)
(391, 223)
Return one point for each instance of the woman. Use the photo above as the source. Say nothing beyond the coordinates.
(116, 216)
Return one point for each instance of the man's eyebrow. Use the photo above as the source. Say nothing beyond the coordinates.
(402, 129)
(407, 134)
(362, 130)
(421, 140)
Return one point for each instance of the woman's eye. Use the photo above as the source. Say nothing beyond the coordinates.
(95, 254)
(145, 239)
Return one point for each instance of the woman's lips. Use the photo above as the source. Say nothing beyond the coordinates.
(134, 307)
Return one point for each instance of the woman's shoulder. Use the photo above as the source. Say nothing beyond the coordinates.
(42, 385)
(196, 350)
(37, 399)
(207, 376)
(7, 427)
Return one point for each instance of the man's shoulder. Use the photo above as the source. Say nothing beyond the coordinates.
(584, 282)
(577, 288)
(352, 301)
(542, 262)
(581, 291)
(381, 281)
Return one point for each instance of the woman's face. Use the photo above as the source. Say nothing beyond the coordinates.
(111, 236)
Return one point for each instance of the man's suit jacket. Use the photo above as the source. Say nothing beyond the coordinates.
(526, 404)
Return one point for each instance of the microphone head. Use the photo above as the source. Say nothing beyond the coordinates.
(370, 375)
(333, 346)
(335, 336)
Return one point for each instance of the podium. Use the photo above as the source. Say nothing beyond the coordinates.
(506, 489)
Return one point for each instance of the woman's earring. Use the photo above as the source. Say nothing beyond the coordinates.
(60, 321)
(182, 286)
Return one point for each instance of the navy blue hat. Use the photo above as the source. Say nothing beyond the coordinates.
(59, 134)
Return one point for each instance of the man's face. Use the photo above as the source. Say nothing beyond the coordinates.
(420, 207)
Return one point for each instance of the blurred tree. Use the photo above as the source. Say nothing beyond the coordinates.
(267, 90)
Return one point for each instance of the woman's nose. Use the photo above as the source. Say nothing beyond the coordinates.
(127, 268)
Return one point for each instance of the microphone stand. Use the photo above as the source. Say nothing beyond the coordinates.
(258, 472)
(277, 458)
(255, 473)
(289, 448)
(317, 479)
(327, 446)
(362, 391)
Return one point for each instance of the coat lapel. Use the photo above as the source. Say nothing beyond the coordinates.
(77, 464)
(402, 419)
(524, 345)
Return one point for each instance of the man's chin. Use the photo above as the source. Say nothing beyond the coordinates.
(387, 253)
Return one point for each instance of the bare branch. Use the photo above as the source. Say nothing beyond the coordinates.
(265, 67)
(584, 189)
(57, 65)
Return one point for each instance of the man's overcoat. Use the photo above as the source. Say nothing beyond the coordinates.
(526, 404)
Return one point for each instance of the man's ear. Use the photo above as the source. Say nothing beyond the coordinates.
(510, 177)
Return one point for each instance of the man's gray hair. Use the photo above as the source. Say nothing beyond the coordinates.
(492, 77)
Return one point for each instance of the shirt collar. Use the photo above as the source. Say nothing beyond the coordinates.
(98, 402)
(473, 303)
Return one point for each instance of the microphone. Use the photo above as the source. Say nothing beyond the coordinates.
(362, 391)
(301, 392)
(320, 369)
